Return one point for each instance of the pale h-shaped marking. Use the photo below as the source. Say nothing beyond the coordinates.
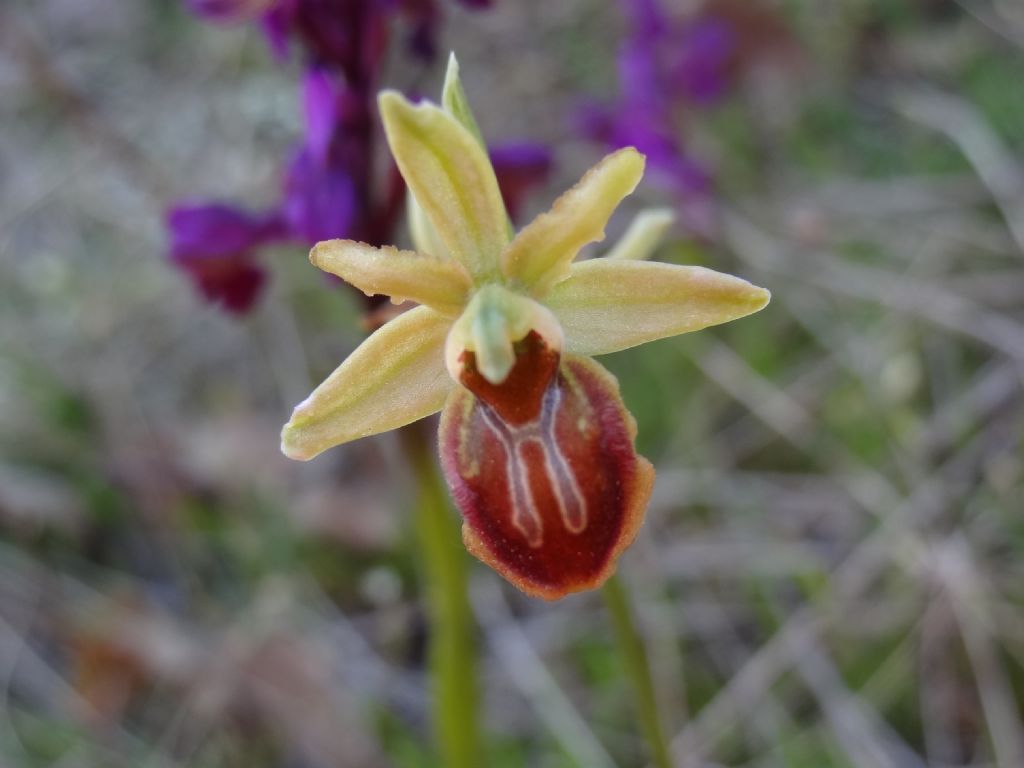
(541, 432)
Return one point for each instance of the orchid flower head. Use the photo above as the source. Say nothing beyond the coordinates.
(536, 444)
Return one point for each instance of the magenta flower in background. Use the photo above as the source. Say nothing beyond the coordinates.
(325, 188)
(329, 188)
(337, 32)
(667, 67)
(328, 180)
(214, 244)
(670, 67)
(703, 69)
(229, 10)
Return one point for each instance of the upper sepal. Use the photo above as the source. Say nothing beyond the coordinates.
(450, 175)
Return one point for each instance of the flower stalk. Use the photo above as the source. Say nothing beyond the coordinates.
(634, 655)
(452, 652)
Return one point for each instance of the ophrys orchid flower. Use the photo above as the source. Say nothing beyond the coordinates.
(536, 444)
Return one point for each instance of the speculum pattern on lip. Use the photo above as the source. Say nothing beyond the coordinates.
(543, 470)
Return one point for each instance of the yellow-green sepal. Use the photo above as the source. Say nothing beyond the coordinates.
(439, 283)
(395, 377)
(450, 175)
(607, 305)
(424, 236)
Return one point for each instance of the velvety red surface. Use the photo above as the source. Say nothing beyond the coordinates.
(543, 469)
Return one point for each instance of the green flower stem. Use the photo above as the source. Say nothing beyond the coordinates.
(452, 654)
(634, 655)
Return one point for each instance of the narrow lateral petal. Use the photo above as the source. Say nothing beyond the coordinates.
(403, 275)
(543, 470)
(540, 254)
(606, 305)
(451, 177)
(395, 377)
(424, 236)
(644, 235)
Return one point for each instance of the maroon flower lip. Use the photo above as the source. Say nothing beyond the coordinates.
(542, 468)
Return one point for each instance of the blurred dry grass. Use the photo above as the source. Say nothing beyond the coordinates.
(832, 569)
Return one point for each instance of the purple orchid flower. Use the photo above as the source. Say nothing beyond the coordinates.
(328, 29)
(214, 244)
(520, 167)
(702, 70)
(667, 67)
(229, 11)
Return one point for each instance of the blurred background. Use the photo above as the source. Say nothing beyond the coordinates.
(832, 568)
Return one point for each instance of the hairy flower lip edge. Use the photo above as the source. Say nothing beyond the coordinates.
(634, 516)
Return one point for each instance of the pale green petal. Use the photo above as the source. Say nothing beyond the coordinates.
(403, 275)
(644, 235)
(424, 236)
(395, 377)
(540, 254)
(454, 101)
(605, 305)
(451, 177)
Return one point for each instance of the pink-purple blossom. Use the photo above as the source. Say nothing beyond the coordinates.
(667, 67)
(214, 245)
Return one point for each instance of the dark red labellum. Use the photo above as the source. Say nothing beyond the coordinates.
(543, 470)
